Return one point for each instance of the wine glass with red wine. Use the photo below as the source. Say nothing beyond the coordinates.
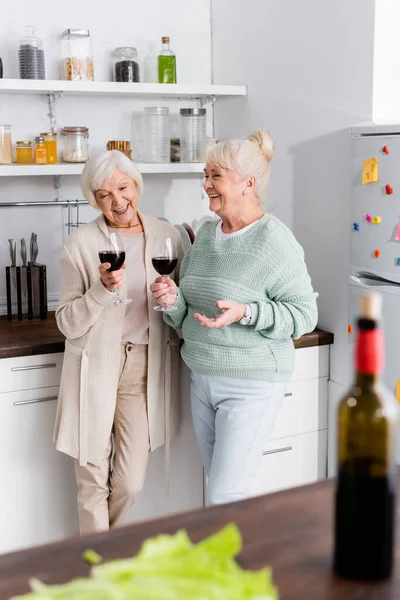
(165, 259)
(112, 251)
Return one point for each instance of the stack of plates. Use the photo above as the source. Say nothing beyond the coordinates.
(31, 62)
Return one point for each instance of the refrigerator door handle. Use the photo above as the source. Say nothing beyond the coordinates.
(378, 284)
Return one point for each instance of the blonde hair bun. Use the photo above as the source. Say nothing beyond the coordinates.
(262, 139)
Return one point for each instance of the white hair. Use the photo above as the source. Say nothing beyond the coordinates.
(100, 169)
(249, 157)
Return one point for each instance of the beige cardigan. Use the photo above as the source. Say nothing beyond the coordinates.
(93, 329)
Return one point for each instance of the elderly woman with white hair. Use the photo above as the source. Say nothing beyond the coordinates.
(119, 391)
(244, 293)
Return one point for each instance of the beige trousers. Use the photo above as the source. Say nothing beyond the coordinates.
(107, 491)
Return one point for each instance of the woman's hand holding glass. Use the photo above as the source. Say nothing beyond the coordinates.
(111, 280)
(164, 291)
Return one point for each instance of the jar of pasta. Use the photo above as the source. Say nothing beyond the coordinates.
(24, 153)
(5, 145)
(50, 141)
(76, 146)
(77, 55)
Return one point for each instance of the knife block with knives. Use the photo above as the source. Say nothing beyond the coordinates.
(27, 285)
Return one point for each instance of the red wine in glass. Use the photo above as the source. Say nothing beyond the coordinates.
(164, 261)
(116, 258)
(111, 250)
(164, 265)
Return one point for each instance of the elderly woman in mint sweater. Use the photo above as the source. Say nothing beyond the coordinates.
(244, 295)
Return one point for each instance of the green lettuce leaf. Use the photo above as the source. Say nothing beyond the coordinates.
(171, 567)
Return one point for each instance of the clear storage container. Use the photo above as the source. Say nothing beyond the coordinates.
(5, 145)
(31, 56)
(77, 55)
(126, 67)
(76, 144)
(156, 135)
(193, 133)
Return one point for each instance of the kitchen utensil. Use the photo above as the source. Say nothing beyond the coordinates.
(35, 277)
(185, 237)
(8, 288)
(190, 231)
(13, 255)
(34, 250)
(19, 294)
(24, 280)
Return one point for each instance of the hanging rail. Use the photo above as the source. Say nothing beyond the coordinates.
(68, 203)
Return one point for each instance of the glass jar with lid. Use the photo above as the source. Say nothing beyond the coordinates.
(5, 145)
(77, 55)
(50, 140)
(24, 153)
(193, 133)
(40, 151)
(76, 145)
(31, 56)
(126, 67)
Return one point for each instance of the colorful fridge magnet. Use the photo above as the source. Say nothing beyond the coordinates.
(356, 226)
(376, 220)
(377, 253)
(398, 262)
(398, 390)
(368, 218)
(350, 328)
(370, 171)
(385, 150)
(389, 190)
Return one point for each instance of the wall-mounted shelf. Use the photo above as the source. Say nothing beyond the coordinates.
(76, 169)
(107, 88)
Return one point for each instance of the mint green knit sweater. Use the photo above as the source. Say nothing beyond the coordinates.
(263, 267)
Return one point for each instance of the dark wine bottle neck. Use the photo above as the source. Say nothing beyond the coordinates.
(366, 381)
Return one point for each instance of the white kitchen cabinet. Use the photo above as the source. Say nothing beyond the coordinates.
(28, 372)
(38, 504)
(38, 500)
(296, 451)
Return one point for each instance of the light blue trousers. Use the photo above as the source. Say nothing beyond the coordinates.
(232, 420)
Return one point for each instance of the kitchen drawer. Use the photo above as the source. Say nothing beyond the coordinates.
(292, 461)
(38, 503)
(303, 409)
(311, 363)
(30, 372)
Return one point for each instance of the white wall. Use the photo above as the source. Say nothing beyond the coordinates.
(122, 22)
(386, 95)
(308, 67)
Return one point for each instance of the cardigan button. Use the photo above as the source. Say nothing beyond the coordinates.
(129, 348)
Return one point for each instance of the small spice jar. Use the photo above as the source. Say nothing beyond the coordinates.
(40, 151)
(126, 67)
(76, 146)
(5, 145)
(24, 153)
(50, 141)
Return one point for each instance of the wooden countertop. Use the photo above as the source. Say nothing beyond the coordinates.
(290, 531)
(26, 338)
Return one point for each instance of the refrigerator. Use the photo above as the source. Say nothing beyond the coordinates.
(374, 230)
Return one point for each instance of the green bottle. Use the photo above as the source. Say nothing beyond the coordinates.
(166, 63)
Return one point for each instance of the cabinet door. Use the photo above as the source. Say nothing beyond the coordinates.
(29, 372)
(38, 500)
(292, 461)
